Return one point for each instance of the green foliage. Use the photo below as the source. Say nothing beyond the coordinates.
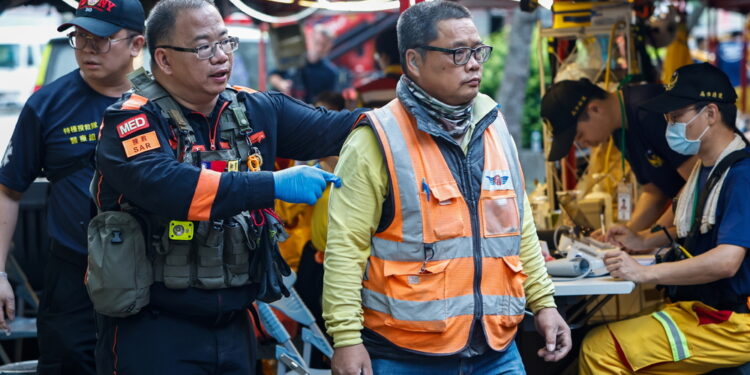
(493, 76)
(493, 68)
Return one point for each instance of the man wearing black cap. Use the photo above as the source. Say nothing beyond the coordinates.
(708, 278)
(581, 112)
(56, 135)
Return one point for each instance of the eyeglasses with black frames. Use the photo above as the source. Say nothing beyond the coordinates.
(462, 55)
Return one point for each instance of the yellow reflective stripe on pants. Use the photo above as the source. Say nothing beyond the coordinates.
(644, 346)
(677, 339)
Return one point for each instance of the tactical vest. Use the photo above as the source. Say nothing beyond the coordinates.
(206, 254)
(441, 263)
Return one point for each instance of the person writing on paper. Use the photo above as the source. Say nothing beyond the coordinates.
(707, 325)
(581, 112)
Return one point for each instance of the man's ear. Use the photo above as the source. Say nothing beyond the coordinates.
(712, 113)
(413, 63)
(162, 61)
(137, 45)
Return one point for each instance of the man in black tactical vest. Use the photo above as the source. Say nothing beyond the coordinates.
(186, 237)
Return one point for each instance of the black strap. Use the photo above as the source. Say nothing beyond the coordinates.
(711, 182)
(84, 162)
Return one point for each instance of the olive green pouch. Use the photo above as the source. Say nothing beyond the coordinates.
(119, 274)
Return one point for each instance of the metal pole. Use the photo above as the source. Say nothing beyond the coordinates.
(262, 57)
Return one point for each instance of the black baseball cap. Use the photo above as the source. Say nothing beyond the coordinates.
(691, 84)
(561, 106)
(106, 17)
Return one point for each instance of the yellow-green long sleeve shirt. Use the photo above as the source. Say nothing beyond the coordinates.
(354, 213)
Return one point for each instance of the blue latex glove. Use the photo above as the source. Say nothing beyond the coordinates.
(302, 184)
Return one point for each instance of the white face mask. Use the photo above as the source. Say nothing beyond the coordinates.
(677, 137)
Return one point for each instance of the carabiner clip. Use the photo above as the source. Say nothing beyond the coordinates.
(254, 160)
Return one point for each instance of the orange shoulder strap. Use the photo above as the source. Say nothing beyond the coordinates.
(245, 89)
(135, 102)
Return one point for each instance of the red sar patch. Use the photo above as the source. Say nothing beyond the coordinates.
(132, 124)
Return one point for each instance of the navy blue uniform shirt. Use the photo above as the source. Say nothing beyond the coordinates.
(151, 177)
(56, 128)
(138, 164)
(648, 153)
(732, 228)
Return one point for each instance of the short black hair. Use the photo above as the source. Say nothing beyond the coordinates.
(417, 25)
(596, 93)
(384, 45)
(162, 18)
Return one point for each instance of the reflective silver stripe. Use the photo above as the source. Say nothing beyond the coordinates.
(418, 311)
(460, 247)
(511, 155)
(441, 309)
(677, 340)
(411, 212)
(500, 246)
(503, 305)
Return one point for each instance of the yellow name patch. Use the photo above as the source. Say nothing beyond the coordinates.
(140, 144)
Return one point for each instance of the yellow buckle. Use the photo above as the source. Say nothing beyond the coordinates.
(180, 230)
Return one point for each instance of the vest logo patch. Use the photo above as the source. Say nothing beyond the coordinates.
(132, 125)
(140, 144)
(654, 159)
(497, 180)
(669, 86)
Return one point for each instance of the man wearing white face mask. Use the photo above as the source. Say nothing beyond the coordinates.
(707, 325)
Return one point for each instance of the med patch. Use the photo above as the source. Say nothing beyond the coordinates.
(132, 125)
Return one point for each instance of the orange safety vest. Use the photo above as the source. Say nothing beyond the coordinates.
(439, 263)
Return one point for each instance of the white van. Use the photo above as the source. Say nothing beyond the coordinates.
(20, 56)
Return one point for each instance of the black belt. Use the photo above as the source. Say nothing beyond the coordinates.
(221, 319)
